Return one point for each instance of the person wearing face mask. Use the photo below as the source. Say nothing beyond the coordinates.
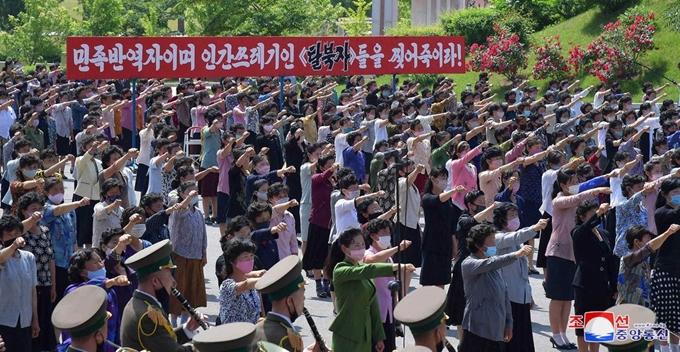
(379, 235)
(346, 209)
(212, 143)
(189, 236)
(358, 322)
(285, 286)
(509, 239)
(25, 179)
(261, 170)
(144, 325)
(634, 270)
(86, 267)
(423, 312)
(277, 195)
(108, 212)
(39, 242)
(488, 320)
(492, 170)
(260, 191)
(239, 301)
(560, 251)
(595, 281)
(19, 321)
(84, 316)
(437, 244)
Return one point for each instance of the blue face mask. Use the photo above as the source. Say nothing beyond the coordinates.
(527, 113)
(474, 124)
(490, 251)
(662, 151)
(618, 134)
(95, 274)
(347, 130)
(675, 200)
(556, 168)
(112, 199)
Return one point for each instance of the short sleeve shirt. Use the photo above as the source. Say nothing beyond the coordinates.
(211, 143)
(41, 246)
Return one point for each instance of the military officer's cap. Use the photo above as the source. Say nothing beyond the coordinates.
(415, 349)
(283, 279)
(269, 347)
(152, 259)
(233, 337)
(82, 312)
(422, 310)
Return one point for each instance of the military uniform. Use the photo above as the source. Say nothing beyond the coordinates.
(282, 280)
(234, 337)
(82, 313)
(415, 349)
(423, 311)
(144, 325)
(264, 346)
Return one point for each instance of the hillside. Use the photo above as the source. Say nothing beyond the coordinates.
(581, 30)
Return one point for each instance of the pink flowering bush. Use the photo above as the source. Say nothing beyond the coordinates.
(613, 55)
(550, 61)
(504, 54)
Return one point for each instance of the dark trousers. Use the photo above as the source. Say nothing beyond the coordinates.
(17, 339)
(390, 344)
(4, 188)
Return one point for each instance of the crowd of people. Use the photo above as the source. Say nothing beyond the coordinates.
(343, 177)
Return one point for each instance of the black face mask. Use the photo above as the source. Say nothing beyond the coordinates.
(294, 314)
(440, 346)
(373, 216)
(262, 225)
(6, 244)
(162, 295)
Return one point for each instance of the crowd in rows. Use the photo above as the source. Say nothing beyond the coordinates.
(350, 171)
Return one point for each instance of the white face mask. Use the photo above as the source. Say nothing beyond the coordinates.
(138, 230)
(385, 242)
(353, 194)
(573, 189)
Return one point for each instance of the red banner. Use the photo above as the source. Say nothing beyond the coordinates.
(189, 57)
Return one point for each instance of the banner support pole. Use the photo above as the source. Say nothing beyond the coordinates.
(394, 83)
(134, 113)
(280, 93)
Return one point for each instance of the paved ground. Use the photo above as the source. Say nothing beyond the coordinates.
(321, 309)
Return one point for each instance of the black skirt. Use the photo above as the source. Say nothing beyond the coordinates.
(474, 343)
(543, 245)
(412, 254)
(522, 333)
(317, 247)
(436, 268)
(455, 301)
(560, 277)
(63, 146)
(589, 301)
(85, 221)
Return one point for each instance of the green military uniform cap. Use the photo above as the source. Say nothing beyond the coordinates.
(152, 259)
(81, 312)
(415, 349)
(283, 279)
(233, 337)
(265, 346)
(422, 310)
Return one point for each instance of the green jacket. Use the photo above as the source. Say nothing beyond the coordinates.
(358, 318)
(274, 329)
(139, 330)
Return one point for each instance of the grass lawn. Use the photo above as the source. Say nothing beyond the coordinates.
(581, 30)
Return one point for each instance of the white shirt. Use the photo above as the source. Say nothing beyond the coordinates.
(7, 118)
(340, 145)
(323, 133)
(345, 215)
(306, 182)
(409, 204)
(380, 133)
(426, 121)
(155, 177)
(617, 194)
(145, 151)
(547, 181)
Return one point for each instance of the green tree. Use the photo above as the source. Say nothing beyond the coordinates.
(102, 17)
(39, 32)
(264, 17)
(356, 22)
(9, 8)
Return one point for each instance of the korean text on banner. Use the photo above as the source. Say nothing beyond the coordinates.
(178, 57)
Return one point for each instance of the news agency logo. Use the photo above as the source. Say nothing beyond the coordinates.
(601, 327)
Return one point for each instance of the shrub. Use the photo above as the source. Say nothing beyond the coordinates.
(611, 5)
(425, 80)
(504, 54)
(615, 53)
(550, 61)
(475, 24)
(405, 31)
(514, 22)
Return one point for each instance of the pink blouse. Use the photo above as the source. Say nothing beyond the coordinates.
(464, 173)
(564, 210)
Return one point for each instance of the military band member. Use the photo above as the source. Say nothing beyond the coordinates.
(285, 285)
(83, 314)
(144, 325)
(264, 346)
(423, 312)
(234, 337)
(415, 349)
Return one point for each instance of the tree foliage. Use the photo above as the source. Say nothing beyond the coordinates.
(9, 8)
(102, 17)
(39, 32)
(259, 18)
(356, 22)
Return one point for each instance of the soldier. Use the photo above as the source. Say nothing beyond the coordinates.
(232, 337)
(83, 314)
(415, 349)
(144, 325)
(286, 287)
(423, 312)
(264, 346)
